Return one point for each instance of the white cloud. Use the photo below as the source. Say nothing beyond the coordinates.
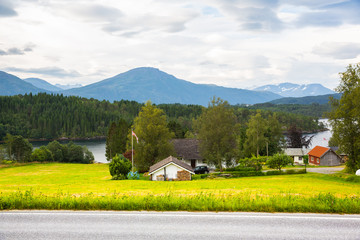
(338, 50)
(233, 43)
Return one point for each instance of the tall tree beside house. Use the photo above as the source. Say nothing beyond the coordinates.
(274, 136)
(154, 137)
(345, 116)
(255, 135)
(116, 139)
(295, 138)
(216, 129)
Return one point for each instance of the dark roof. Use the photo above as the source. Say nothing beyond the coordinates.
(169, 160)
(187, 148)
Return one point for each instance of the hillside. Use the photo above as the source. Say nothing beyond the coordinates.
(39, 83)
(12, 85)
(323, 99)
(296, 90)
(142, 84)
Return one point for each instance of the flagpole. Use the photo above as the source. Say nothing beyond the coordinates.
(132, 151)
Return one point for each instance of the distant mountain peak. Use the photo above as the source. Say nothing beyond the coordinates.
(296, 90)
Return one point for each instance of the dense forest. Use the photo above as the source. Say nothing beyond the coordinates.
(312, 110)
(52, 116)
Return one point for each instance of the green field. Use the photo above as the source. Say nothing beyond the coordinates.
(81, 186)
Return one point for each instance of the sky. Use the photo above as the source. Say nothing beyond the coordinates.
(232, 43)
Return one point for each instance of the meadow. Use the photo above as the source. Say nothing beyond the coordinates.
(89, 187)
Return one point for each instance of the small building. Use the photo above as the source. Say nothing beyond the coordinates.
(171, 169)
(324, 156)
(297, 154)
(188, 151)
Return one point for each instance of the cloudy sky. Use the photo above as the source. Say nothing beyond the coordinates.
(233, 43)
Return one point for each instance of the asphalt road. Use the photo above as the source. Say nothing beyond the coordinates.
(175, 225)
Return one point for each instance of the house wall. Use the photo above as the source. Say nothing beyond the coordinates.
(314, 160)
(297, 159)
(330, 159)
(171, 172)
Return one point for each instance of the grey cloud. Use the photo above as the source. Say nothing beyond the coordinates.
(11, 51)
(98, 12)
(17, 51)
(334, 14)
(49, 71)
(6, 10)
(338, 50)
(132, 27)
(258, 19)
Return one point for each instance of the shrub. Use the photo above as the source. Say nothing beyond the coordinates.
(133, 175)
(253, 162)
(353, 179)
(42, 154)
(278, 161)
(119, 166)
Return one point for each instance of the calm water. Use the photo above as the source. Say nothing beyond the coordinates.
(321, 138)
(97, 147)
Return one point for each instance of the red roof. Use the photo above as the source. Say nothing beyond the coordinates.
(318, 151)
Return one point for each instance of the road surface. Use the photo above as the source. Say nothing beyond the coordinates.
(174, 225)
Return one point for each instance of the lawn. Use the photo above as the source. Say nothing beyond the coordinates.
(81, 186)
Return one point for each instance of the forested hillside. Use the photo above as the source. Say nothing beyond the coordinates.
(54, 116)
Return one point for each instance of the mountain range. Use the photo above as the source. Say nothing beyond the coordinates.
(145, 83)
(296, 90)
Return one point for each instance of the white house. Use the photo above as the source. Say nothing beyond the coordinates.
(170, 169)
(297, 154)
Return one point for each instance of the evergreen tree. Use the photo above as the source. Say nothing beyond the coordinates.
(154, 137)
(116, 139)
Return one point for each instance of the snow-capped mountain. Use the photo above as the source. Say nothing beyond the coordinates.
(296, 90)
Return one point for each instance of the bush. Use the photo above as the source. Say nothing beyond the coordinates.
(240, 169)
(42, 154)
(278, 161)
(253, 162)
(133, 175)
(270, 173)
(119, 167)
(353, 179)
(118, 177)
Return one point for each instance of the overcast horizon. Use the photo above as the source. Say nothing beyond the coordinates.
(231, 43)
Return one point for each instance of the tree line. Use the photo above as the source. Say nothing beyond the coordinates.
(224, 138)
(53, 116)
(18, 149)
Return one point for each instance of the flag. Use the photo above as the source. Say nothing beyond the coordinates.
(137, 139)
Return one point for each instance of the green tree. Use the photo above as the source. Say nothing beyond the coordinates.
(345, 116)
(9, 139)
(42, 154)
(119, 167)
(278, 161)
(76, 154)
(274, 136)
(21, 149)
(154, 137)
(216, 132)
(88, 156)
(56, 150)
(255, 135)
(116, 139)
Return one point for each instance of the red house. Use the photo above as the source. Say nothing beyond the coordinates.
(323, 156)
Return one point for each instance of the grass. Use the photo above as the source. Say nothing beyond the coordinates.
(80, 186)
